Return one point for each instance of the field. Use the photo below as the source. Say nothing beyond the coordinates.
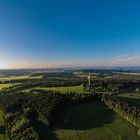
(87, 120)
(7, 78)
(2, 86)
(77, 89)
(130, 95)
(93, 121)
(2, 128)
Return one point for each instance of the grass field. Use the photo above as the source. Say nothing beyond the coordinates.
(130, 95)
(6, 78)
(92, 121)
(2, 86)
(77, 89)
(2, 128)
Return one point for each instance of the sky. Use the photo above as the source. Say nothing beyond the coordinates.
(65, 33)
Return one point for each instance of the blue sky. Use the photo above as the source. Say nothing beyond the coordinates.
(37, 33)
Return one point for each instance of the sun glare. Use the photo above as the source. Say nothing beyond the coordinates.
(3, 65)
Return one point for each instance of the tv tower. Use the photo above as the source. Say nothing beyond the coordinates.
(89, 79)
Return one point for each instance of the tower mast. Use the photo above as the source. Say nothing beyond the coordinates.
(89, 79)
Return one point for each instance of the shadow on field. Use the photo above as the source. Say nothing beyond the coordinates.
(43, 131)
(84, 116)
(2, 130)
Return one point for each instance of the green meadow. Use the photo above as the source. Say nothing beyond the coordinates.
(92, 121)
(22, 77)
(88, 121)
(3, 86)
(77, 89)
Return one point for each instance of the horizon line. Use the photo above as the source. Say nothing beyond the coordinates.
(64, 67)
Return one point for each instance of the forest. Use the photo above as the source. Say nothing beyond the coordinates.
(32, 107)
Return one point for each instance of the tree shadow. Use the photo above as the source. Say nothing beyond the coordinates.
(84, 116)
(2, 129)
(43, 131)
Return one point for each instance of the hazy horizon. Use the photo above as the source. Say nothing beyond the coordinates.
(59, 33)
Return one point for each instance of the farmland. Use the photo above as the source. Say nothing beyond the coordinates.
(60, 105)
(7, 78)
(69, 69)
(3, 86)
(77, 89)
